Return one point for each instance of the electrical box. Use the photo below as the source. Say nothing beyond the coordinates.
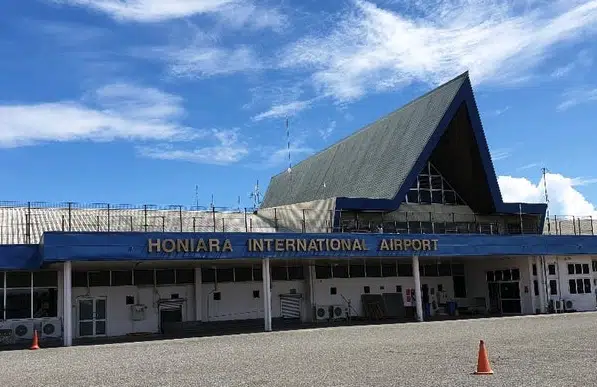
(138, 312)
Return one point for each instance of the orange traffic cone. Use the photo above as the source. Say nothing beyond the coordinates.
(483, 366)
(35, 344)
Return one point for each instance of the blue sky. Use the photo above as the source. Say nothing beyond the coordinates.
(140, 101)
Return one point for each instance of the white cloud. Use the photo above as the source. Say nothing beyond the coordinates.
(564, 197)
(327, 132)
(501, 154)
(284, 110)
(577, 97)
(117, 111)
(372, 49)
(583, 60)
(152, 10)
(227, 150)
(205, 61)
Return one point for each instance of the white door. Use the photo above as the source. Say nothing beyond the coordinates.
(92, 317)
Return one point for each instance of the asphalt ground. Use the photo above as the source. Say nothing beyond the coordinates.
(551, 350)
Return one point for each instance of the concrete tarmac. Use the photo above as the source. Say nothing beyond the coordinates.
(550, 350)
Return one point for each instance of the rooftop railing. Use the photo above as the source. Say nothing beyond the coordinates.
(25, 222)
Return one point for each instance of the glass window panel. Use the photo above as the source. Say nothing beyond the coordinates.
(578, 268)
(208, 275)
(424, 182)
(322, 271)
(389, 269)
(18, 303)
(373, 269)
(100, 327)
(444, 270)
(243, 274)
(185, 276)
(340, 270)
(79, 279)
(18, 279)
(296, 273)
(45, 302)
(425, 197)
(143, 277)
(570, 269)
(2, 299)
(225, 274)
(426, 227)
(430, 270)
(279, 273)
(257, 273)
(86, 328)
(437, 197)
(357, 270)
(165, 277)
(585, 268)
(436, 182)
(405, 270)
(515, 274)
(587, 283)
(572, 286)
(100, 309)
(99, 278)
(449, 197)
(122, 277)
(412, 196)
(45, 279)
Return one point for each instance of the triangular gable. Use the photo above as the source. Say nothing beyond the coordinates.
(463, 98)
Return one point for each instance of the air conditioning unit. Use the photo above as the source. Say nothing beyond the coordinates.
(51, 328)
(568, 305)
(337, 312)
(558, 306)
(23, 330)
(6, 332)
(322, 312)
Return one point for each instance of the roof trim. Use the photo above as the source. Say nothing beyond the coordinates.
(464, 95)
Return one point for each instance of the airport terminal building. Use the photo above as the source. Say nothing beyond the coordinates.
(403, 220)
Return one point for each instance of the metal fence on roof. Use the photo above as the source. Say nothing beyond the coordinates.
(25, 222)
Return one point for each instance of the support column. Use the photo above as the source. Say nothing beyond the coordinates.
(418, 297)
(532, 287)
(541, 280)
(67, 316)
(267, 295)
(198, 295)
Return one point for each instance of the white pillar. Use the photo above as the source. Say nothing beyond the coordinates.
(198, 295)
(541, 280)
(267, 295)
(532, 286)
(418, 298)
(67, 317)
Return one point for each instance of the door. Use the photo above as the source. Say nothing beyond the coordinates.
(510, 297)
(495, 302)
(92, 317)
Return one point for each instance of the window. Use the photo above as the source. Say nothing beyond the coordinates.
(243, 274)
(29, 294)
(431, 187)
(579, 286)
(389, 270)
(225, 274)
(357, 270)
(333, 291)
(405, 270)
(459, 286)
(594, 265)
(536, 287)
(534, 269)
(143, 277)
(340, 270)
(165, 277)
(255, 293)
(122, 278)
(553, 287)
(551, 269)
(296, 273)
(373, 269)
(323, 271)
(280, 273)
(185, 276)
(578, 268)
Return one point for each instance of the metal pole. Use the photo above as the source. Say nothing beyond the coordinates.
(69, 216)
(28, 225)
(180, 216)
(276, 220)
(144, 217)
(163, 223)
(246, 223)
(304, 222)
(194, 222)
(108, 217)
(213, 214)
(591, 219)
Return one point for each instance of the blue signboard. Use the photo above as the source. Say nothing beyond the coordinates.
(58, 246)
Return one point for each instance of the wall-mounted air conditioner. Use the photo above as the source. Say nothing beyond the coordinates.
(322, 312)
(51, 328)
(337, 312)
(23, 330)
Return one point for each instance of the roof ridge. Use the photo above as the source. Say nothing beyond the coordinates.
(367, 126)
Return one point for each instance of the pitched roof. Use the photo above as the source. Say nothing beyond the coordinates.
(371, 163)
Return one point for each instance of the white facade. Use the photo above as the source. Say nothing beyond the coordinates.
(110, 309)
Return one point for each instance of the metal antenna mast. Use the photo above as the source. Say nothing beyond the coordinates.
(256, 196)
(288, 145)
(196, 197)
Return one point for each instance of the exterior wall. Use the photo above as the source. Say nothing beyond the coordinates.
(352, 288)
(581, 302)
(476, 271)
(118, 318)
(237, 301)
(314, 217)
